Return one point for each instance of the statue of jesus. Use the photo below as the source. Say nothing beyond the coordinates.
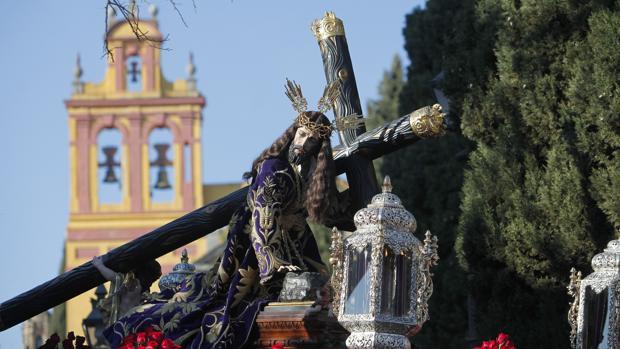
(291, 180)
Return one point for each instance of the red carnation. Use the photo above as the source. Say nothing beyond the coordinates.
(167, 343)
(488, 345)
(152, 345)
(501, 342)
(492, 344)
(504, 341)
(141, 338)
(156, 336)
(508, 345)
(277, 346)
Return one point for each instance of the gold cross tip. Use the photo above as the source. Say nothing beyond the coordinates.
(328, 26)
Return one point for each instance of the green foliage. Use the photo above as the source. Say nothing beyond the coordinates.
(452, 38)
(542, 191)
(386, 107)
(593, 105)
(323, 237)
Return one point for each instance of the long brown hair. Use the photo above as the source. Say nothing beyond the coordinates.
(321, 192)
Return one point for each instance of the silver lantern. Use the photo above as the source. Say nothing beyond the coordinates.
(594, 314)
(381, 279)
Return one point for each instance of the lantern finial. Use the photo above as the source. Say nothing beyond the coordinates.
(387, 184)
(180, 271)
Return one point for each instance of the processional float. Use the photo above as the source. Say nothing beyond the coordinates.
(352, 156)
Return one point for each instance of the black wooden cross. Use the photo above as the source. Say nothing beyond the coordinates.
(354, 156)
(329, 32)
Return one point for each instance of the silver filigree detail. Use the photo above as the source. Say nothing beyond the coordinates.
(573, 291)
(429, 259)
(336, 259)
(362, 340)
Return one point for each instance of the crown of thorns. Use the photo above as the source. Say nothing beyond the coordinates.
(300, 104)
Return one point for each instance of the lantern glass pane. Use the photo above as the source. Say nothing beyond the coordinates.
(388, 282)
(358, 288)
(396, 283)
(595, 314)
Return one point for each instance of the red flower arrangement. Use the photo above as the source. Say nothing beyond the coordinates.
(501, 342)
(277, 346)
(148, 339)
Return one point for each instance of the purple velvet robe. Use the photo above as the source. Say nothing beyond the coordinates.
(218, 310)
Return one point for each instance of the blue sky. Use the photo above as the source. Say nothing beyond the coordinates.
(243, 51)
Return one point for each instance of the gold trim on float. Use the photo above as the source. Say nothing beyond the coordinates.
(328, 26)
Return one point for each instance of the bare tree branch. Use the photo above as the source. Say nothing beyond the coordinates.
(174, 5)
(132, 17)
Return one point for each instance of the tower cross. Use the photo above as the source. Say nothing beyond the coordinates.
(134, 71)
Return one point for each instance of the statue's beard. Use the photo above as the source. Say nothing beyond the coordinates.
(299, 157)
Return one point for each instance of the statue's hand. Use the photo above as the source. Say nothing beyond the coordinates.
(97, 262)
(107, 273)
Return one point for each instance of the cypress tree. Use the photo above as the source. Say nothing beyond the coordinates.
(451, 39)
(593, 105)
(541, 191)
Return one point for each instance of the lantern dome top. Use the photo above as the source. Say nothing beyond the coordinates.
(609, 259)
(178, 274)
(385, 210)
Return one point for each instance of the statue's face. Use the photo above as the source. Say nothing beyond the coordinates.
(304, 145)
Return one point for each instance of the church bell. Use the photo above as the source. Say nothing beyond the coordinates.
(162, 179)
(110, 176)
(162, 161)
(109, 163)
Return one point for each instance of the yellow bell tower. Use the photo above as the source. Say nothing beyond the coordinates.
(135, 153)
